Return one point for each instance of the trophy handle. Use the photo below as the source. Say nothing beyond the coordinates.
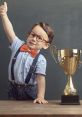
(80, 53)
(80, 62)
(54, 52)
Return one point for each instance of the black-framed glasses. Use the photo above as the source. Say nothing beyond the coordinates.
(38, 37)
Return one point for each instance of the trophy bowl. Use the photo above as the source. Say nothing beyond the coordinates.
(69, 60)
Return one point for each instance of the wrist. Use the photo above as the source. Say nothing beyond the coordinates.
(42, 97)
(3, 15)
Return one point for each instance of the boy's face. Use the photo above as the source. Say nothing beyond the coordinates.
(38, 38)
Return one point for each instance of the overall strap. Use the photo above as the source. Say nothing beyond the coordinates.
(12, 64)
(32, 69)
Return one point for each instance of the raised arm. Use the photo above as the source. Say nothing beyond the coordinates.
(8, 28)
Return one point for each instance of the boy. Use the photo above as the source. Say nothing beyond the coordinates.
(39, 37)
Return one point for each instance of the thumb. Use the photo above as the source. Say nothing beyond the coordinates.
(5, 4)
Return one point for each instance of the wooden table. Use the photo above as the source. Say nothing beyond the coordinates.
(28, 109)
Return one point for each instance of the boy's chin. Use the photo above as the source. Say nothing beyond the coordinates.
(32, 47)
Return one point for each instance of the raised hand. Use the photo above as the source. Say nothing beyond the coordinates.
(3, 9)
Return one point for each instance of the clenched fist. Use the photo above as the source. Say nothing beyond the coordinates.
(3, 9)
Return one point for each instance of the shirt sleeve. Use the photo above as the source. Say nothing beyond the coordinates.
(16, 44)
(41, 65)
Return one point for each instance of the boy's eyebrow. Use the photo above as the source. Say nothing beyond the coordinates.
(37, 34)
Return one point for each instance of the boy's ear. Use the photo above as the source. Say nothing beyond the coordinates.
(46, 45)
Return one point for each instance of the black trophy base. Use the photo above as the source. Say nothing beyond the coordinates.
(70, 100)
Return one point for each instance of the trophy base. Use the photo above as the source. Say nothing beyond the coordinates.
(70, 100)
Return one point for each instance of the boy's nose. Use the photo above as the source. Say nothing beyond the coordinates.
(34, 38)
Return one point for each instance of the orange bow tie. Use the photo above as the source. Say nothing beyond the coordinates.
(25, 48)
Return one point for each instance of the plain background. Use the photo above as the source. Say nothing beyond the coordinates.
(65, 17)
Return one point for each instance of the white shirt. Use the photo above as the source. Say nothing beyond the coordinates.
(23, 62)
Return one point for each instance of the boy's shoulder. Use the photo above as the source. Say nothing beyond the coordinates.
(41, 57)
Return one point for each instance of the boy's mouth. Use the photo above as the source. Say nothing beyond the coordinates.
(31, 43)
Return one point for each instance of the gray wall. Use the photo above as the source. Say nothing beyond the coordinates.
(65, 16)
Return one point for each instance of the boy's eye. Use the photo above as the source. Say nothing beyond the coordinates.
(39, 38)
(33, 35)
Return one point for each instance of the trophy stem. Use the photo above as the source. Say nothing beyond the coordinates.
(70, 95)
(69, 89)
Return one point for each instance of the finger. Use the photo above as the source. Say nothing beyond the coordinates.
(2, 6)
(37, 101)
(1, 11)
(44, 102)
(34, 101)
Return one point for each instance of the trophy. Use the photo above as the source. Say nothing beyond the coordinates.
(69, 60)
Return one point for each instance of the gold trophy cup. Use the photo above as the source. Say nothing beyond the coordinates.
(69, 60)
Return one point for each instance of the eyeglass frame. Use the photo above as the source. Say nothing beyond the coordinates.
(38, 37)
